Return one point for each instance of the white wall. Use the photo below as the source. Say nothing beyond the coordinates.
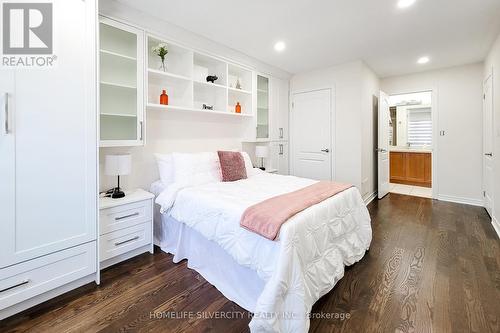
(353, 85)
(459, 107)
(173, 131)
(493, 63)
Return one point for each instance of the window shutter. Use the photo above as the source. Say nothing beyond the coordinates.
(419, 127)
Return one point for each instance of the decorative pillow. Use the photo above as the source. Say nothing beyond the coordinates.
(196, 169)
(166, 168)
(232, 165)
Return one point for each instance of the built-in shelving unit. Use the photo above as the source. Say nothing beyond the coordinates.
(187, 88)
(121, 84)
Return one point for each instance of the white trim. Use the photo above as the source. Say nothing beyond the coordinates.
(370, 197)
(435, 132)
(496, 225)
(10, 311)
(461, 200)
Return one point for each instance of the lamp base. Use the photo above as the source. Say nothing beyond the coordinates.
(117, 193)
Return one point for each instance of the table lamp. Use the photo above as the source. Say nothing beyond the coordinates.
(261, 152)
(117, 165)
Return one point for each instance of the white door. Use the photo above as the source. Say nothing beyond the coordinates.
(383, 145)
(50, 203)
(488, 145)
(311, 134)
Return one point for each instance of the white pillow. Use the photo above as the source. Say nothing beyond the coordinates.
(196, 169)
(166, 168)
(248, 163)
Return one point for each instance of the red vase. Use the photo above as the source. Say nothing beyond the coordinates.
(164, 98)
(237, 108)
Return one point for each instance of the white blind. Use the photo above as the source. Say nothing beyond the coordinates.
(420, 127)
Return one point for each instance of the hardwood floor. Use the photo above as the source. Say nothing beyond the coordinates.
(432, 266)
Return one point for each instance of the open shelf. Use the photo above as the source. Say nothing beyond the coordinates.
(152, 106)
(186, 86)
(179, 60)
(160, 74)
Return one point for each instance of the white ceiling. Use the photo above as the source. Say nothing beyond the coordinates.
(323, 33)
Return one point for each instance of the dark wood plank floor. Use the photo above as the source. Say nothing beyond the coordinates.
(432, 266)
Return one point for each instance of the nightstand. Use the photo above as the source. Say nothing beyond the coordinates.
(125, 227)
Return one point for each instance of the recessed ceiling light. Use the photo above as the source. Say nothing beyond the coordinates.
(406, 3)
(423, 60)
(279, 46)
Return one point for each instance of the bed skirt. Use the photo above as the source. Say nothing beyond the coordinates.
(237, 283)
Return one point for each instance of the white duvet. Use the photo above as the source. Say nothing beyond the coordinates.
(306, 260)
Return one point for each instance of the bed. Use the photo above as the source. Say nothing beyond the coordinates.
(278, 281)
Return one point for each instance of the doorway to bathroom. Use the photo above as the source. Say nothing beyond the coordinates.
(411, 144)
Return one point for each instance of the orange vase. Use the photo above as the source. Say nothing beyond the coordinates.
(164, 98)
(237, 108)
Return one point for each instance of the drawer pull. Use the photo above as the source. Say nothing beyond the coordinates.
(126, 241)
(126, 216)
(15, 286)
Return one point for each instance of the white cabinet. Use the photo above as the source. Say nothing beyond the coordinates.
(48, 153)
(121, 100)
(279, 109)
(279, 157)
(263, 106)
(126, 227)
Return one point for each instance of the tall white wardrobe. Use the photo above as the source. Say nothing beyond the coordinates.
(48, 166)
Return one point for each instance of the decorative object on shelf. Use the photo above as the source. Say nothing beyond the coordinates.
(237, 108)
(207, 107)
(238, 84)
(117, 165)
(212, 78)
(161, 50)
(164, 97)
(261, 152)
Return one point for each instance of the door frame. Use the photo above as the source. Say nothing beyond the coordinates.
(435, 129)
(489, 75)
(332, 128)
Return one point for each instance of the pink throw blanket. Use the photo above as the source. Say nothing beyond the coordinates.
(267, 217)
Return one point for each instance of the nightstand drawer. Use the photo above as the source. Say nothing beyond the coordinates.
(116, 218)
(124, 240)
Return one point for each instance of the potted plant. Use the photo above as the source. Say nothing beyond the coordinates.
(161, 51)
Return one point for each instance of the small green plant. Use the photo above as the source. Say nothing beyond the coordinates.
(161, 50)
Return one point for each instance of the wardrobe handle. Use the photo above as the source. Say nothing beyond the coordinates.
(6, 112)
(126, 241)
(141, 130)
(126, 216)
(15, 286)
(281, 132)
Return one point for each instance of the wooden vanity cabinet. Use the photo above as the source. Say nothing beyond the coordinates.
(411, 168)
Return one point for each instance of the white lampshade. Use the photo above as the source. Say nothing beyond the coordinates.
(118, 165)
(261, 151)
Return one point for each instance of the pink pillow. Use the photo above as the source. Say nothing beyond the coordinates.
(232, 166)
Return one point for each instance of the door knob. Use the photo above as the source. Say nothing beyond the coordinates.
(325, 150)
(488, 154)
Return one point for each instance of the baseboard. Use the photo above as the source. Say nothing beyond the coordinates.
(460, 200)
(496, 225)
(19, 307)
(370, 198)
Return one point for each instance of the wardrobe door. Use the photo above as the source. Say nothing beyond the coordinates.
(54, 129)
(7, 161)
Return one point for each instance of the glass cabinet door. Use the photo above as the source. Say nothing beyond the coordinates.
(120, 84)
(262, 107)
